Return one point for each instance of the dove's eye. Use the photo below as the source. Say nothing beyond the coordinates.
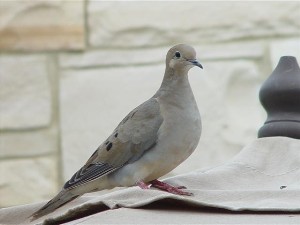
(177, 55)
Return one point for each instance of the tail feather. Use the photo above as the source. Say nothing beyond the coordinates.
(58, 201)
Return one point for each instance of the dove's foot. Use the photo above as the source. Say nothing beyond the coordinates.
(169, 188)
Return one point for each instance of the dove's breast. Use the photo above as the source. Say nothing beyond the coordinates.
(178, 137)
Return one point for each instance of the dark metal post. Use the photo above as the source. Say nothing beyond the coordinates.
(280, 96)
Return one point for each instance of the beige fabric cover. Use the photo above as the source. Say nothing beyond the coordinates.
(264, 176)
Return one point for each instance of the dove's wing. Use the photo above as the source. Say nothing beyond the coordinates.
(136, 133)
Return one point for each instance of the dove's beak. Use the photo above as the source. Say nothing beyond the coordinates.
(196, 63)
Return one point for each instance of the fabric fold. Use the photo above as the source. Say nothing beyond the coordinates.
(264, 176)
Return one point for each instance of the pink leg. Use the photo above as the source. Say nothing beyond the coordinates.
(169, 188)
(143, 185)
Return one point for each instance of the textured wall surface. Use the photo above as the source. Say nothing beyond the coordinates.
(71, 70)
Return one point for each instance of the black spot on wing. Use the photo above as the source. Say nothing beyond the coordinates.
(87, 174)
(109, 146)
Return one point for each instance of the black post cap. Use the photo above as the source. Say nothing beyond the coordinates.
(280, 96)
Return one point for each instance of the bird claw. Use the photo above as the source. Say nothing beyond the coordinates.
(181, 187)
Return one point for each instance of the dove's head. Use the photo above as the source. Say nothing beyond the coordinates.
(182, 58)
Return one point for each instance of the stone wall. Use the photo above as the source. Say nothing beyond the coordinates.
(71, 70)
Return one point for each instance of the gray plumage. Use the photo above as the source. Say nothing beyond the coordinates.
(149, 142)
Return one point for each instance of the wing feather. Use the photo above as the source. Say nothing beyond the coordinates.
(136, 134)
(84, 175)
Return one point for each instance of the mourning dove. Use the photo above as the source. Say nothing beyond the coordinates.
(149, 142)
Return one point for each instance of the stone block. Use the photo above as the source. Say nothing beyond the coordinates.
(232, 51)
(25, 92)
(27, 180)
(42, 25)
(112, 57)
(28, 143)
(142, 24)
(140, 57)
(94, 101)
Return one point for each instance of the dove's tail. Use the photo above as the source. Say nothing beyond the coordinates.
(58, 201)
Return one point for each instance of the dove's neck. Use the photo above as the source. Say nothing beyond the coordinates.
(174, 84)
